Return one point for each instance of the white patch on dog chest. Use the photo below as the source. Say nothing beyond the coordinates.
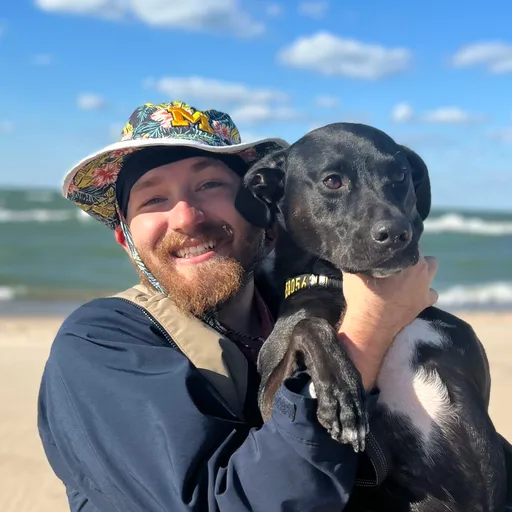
(420, 395)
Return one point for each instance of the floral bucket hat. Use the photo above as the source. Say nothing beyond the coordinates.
(91, 184)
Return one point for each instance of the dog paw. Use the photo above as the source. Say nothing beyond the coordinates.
(335, 382)
(342, 412)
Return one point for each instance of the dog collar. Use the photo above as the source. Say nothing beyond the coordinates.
(302, 281)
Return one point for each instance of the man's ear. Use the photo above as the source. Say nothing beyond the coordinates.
(121, 239)
(421, 180)
(262, 189)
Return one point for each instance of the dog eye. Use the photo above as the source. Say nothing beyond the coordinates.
(398, 176)
(335, 181)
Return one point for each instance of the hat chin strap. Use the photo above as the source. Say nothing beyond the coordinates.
(136, 257)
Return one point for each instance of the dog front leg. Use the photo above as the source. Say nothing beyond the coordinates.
(314, 346)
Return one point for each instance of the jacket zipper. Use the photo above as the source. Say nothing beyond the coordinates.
(173, 344)
(154, 322)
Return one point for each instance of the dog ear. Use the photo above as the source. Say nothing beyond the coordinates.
(265, 179)
(421, 180)
(262, 189)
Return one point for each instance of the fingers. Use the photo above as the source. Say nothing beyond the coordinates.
(432, 266)
(433, 297)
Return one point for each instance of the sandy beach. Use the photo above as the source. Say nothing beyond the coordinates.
(27, 483)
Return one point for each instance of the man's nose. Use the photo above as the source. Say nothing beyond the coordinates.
(184, 216)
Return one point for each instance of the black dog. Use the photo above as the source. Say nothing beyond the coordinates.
(350, 199)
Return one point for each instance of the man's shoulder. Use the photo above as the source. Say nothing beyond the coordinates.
(103, 325)
(106, 312)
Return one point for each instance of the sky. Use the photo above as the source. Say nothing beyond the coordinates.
(436, 76)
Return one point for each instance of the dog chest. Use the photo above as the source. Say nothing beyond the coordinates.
(410, 391)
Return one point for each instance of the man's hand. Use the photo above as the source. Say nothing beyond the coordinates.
(378, 309)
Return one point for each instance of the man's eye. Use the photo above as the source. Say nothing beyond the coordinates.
(153, 200)
(211, 184)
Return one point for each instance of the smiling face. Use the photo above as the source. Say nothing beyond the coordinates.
(189, 235)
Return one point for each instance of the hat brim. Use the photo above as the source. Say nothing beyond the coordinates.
(91, 183)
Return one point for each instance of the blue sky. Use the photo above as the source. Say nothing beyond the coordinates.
(435, 76)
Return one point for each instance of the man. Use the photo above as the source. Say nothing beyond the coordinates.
(148, 399)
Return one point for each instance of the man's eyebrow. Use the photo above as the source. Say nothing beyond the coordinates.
(146, 183)
(203, 164)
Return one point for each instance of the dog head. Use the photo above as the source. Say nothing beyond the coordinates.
(348, 194)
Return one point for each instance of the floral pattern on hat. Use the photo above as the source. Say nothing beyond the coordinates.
(92, 185)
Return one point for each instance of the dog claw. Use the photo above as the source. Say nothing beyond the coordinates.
(343, 416)
(335, 381)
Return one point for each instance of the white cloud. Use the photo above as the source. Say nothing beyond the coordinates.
(315, 10)
(330, 55)
(42, 59)
(257, 114)
(89, 101)
(246, 105)
(273, 10)
(101, 8)
(494, 56)
(402, 113)
(449, 115)
(6, 126)
(192, 15)
(326, 101)
(214, 92)
(198, 15)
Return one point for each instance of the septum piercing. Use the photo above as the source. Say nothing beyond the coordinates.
(227, 229)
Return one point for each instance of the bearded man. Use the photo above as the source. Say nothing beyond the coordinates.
(148, 400)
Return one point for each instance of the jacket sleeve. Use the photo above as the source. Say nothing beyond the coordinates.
(128, 424)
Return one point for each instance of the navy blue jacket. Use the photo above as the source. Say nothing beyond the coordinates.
(129, 424)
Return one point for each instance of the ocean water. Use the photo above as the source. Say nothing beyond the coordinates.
(53, 254)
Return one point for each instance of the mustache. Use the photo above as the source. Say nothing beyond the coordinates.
(174, 241)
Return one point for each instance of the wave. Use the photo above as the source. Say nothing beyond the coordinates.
(456, 223)
(492, 295)
(487, 295)
(39, 196)
(11, 292)
(447, 223)
(41, 215)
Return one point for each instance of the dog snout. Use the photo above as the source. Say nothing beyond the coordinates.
(392, 233)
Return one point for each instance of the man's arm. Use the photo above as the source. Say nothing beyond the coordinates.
(130, 425)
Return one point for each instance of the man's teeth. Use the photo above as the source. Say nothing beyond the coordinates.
(196, 250)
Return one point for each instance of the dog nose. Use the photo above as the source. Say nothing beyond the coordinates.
(392, 233)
